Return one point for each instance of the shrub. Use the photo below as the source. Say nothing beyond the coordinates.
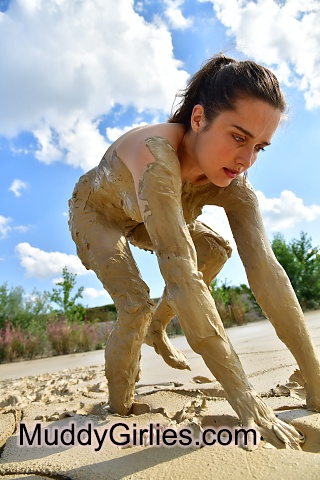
(70, 337)
(233, 303)
(16, 343)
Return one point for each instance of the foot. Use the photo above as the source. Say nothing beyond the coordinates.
(158, 339)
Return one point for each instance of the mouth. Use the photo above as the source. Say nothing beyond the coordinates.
(230, 173)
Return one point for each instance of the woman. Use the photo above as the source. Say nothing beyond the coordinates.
(148, 189)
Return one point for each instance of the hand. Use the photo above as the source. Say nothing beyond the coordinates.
(255, 413)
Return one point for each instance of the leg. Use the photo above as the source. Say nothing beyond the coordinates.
(156, 336)
(212, 253)
(103, 248)
(158, 339)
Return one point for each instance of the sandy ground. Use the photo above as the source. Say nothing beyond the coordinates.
(63, 401)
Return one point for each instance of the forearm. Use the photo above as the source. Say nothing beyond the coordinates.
(189, 296)
(160, 197)
(268, 280)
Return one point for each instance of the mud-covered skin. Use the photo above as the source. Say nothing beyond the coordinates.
(105, 214)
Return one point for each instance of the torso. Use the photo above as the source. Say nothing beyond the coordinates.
(110, 187)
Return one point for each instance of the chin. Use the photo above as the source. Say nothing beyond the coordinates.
(222, 184)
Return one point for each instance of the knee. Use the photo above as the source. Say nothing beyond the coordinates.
(218, 246)
(212, 250)
(220, 252)
(134, 315)
(131, 327)
(211, 258)
(179, 272)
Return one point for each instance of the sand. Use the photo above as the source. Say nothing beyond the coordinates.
(57, 395)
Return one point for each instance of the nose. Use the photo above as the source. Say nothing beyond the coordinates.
(245, 158)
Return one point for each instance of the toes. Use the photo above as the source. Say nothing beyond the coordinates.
(176, 362)
(170, 354)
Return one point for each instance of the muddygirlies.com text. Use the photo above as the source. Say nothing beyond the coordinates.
(120, 434)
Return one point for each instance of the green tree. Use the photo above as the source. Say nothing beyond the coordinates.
(21, 309)
(67, 305)
(301, 261)
(232, 302)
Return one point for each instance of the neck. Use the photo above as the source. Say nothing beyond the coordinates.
(188, 163)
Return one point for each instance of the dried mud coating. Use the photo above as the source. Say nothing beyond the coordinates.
(105, 214)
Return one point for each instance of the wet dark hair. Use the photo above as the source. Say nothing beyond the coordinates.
(220, 82)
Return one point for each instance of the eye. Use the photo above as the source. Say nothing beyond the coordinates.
(238, 139)
(258, 149)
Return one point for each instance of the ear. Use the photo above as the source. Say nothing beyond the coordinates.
(198, 119)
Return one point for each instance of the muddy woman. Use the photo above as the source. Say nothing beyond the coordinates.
(149, 189)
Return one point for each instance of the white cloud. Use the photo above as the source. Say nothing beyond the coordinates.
(175, 16)
(17, 186)
(114, 133)
(93, 293)
(68, 63)
(80, 145)
(216, 218)
(21, 228)
(5, 228)
(286, 211)
(42, 265)
(282, 34)
(278, 214)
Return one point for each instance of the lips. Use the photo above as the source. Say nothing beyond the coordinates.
(230, 173)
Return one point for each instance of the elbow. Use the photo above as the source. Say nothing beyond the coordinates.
(180, 274)
(268, 278)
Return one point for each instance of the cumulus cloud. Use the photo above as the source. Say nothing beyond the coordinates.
(114, 133)
(282, 34)
(17, 186)
(278, 214)
(80, 145)
(216, 218)
(68, 63)
(286, 211)
(42, 265)
(93, 293)
(6, 228)
(173, 13)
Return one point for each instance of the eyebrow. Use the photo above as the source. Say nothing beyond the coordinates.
(246, 132)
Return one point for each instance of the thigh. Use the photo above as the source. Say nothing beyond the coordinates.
(103, 248)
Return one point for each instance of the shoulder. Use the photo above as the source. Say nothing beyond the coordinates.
(132, 147)
(133, 142)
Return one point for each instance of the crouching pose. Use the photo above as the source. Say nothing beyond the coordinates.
(149, 189)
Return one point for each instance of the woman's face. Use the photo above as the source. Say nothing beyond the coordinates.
(230, 144)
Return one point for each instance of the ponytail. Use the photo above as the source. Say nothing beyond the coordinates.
(220, 82)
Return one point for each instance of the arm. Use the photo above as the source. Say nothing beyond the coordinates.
(269, 282)
(160, 203)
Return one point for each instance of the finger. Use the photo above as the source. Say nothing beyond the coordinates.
(252, 441)
(286, 438)
(287, 427)
(270, 437)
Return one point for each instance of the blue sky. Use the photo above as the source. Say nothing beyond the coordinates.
(75, 74)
